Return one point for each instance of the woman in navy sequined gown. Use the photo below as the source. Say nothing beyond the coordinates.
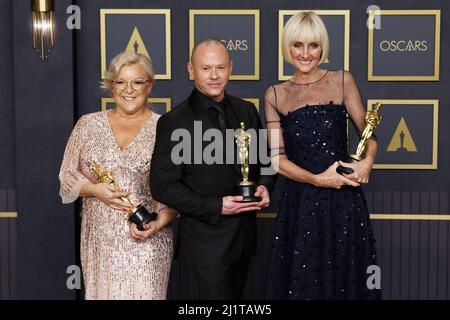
(323, 241)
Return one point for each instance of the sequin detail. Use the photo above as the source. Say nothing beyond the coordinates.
(115, 266)
(323, 241)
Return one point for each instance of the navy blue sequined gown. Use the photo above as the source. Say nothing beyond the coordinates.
(322, 239)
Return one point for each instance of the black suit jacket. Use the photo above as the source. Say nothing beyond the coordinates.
(205, 237)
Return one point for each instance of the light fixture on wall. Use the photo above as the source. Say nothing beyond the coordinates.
(43, 28)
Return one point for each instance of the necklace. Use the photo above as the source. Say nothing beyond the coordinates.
(308, 85)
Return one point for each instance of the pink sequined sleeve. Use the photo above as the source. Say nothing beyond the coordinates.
(70, 177)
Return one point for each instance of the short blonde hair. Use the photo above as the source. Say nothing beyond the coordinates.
(126, 59)
(304, 26)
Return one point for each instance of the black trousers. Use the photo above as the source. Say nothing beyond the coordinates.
(217, 283)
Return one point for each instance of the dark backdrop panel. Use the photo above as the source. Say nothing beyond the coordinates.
(8, 245)
(179, 87)
(43, 96)
(410, 251)
(6, 98)
(41, 101)
(8, 226)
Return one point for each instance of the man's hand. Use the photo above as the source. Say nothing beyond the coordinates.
(231, 205)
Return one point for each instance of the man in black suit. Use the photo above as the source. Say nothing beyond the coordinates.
(217, 233)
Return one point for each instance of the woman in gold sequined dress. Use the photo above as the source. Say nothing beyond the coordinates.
(118, 260)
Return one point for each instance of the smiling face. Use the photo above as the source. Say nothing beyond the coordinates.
(304, 42)
(210, 67)
(129, 100)
(305, 55)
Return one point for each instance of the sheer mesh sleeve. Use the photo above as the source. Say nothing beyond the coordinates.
(70, 177)
(275, 133)
(158, 206)
(353, 102)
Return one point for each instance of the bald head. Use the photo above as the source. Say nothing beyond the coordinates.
(210, 67)
(208, 42)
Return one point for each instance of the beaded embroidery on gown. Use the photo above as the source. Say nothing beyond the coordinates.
(116, 266)
(322, 239)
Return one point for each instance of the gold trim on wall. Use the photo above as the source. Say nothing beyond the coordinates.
(255, 101)
(8, 214)
(166, 101)
(269, 215)
(435, 76)
(282, 13)
(383, 216)
(435, 103)
(165, 12)
(255, 13)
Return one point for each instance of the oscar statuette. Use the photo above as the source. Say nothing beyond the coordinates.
(372, 121)
(245, 188)
(138, 214)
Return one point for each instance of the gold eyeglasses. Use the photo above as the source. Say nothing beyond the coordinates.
(136, 84)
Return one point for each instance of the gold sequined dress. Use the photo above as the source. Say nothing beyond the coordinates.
(116, 266)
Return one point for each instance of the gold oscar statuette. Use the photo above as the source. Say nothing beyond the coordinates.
(372, 121)
(245, 188)
(138, 214)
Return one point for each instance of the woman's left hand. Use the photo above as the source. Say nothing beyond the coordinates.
(361, 170)
(262, 192)
(149, 230)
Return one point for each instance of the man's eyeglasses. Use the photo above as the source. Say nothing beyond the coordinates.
(136, 84)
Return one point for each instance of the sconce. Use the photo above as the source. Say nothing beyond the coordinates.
(42, 11)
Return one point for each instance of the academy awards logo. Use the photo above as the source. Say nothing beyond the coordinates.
(238, 30)
(136, 45)
(235, 45)
(408, 138)
(402, 140)
(404, 45)
(142, 31)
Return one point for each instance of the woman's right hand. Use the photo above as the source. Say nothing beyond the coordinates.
(111, 196)
(331, 179)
